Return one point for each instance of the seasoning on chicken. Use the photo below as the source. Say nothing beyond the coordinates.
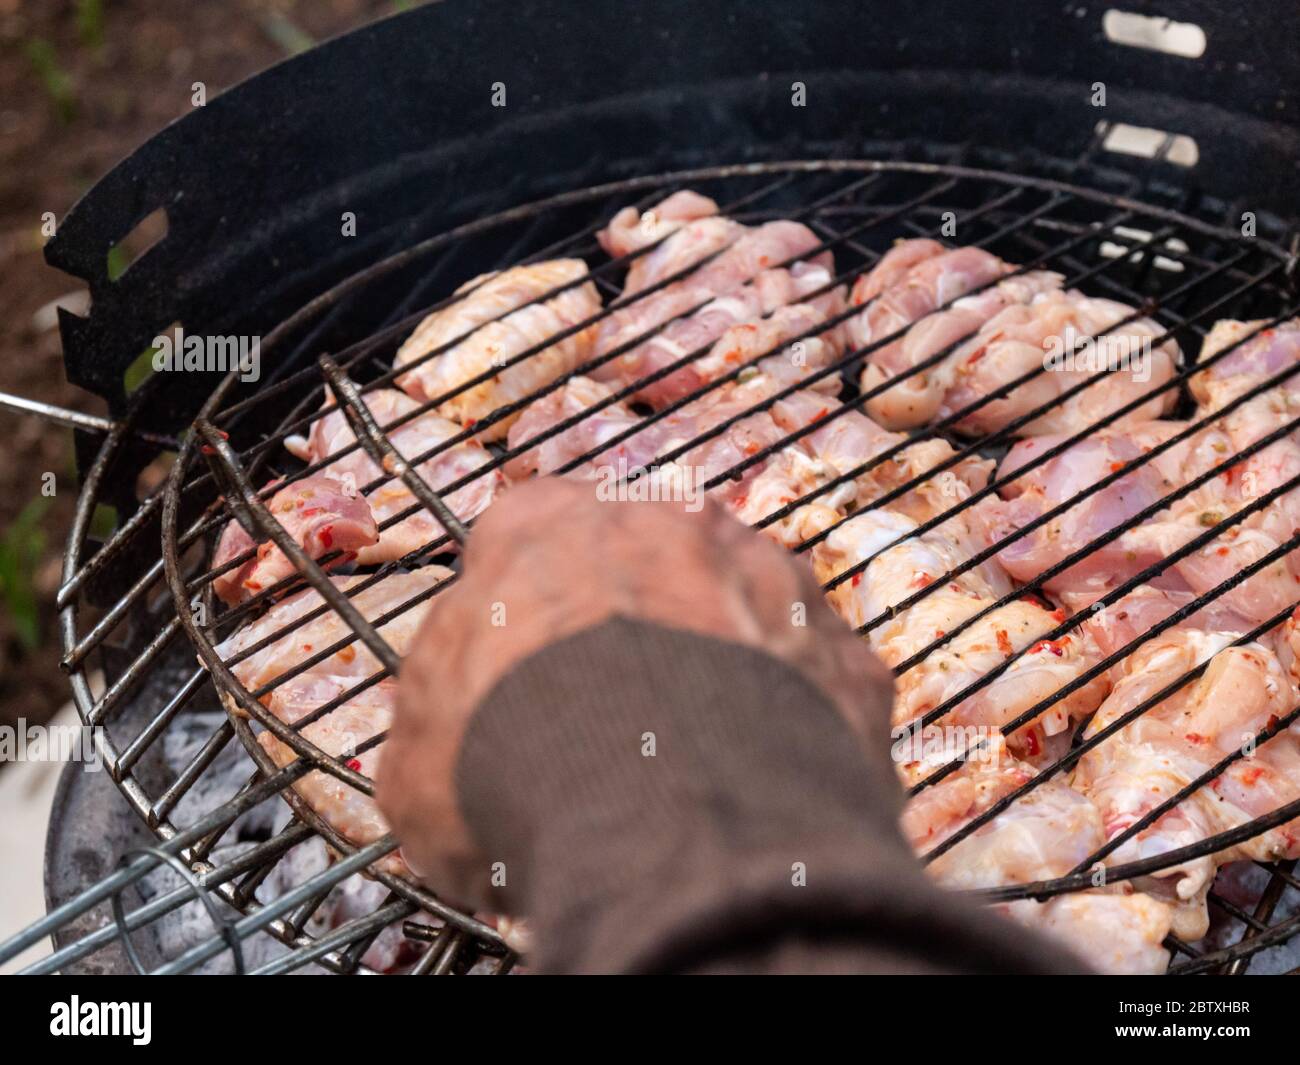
(741, 283)
(1260, 354)
(790, 472)
(916, 562)
(1169, 745)
(1053, 483)
(1042, 835)
(686, 229)
(321, 513)
(331, 433)
(1067, 336)
(299, 691)
(905, 291)
(915, 400)
(1232, 491)
(499, 317)
(586, 434)
(849, 439)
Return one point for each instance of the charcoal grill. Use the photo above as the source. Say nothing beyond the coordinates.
(913, 120)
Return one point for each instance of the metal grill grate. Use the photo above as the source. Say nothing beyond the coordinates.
(1181, 271)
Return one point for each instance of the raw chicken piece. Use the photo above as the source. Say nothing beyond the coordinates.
(850, 438)
(1266, 353)
(892, 302)
(331, 433)
(917, 562)
(1041, 836)
(365, 713)
(897, 296)
(740, 284)
(308, 639)
(1060, 479)
(1052, 333)
(351, 813)
(742, 345)
(631, 230)
(792, 473)
(727, 331)
(322, 515)
(693, 230)
(893, 267)
(1171, 744)
(589, 433)
(1134, 616)
(908, 288)
(502, 321)
(678, 334)
(1263, 532)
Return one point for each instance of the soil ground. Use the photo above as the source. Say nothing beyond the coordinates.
(82, 84)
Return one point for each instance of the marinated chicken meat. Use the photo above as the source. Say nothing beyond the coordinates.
(588, 433)
(1052, 484)
(679, 232)
(915, 400)
(330, 434)
(915, 562)
(1044, 834)
(789, 473)
(1175, 742)
(496, 319)
(934, 298)
(742, 283)
(299, 685)
(1070, 338)
(321, 513)
(847, 439)
(1258, 355)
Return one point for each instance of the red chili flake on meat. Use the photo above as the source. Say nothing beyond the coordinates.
(1274, 721)
(977, 354)
(1194, 737)
(821, 413)
(354, 764)
(751, 449)
(1222, 551)
(1031, 743)
(922, 580)
(857, 579)
(1059, 613)
(1004, 642)
(309, 511)
(1115, 467)
(1250, 776)
(327, 536)
(1033, 600)
(939, 634)
(1055, 646)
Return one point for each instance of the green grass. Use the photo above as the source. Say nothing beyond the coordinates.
(54, 79)
(90, 23)
(291, 38)
(21, 548)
